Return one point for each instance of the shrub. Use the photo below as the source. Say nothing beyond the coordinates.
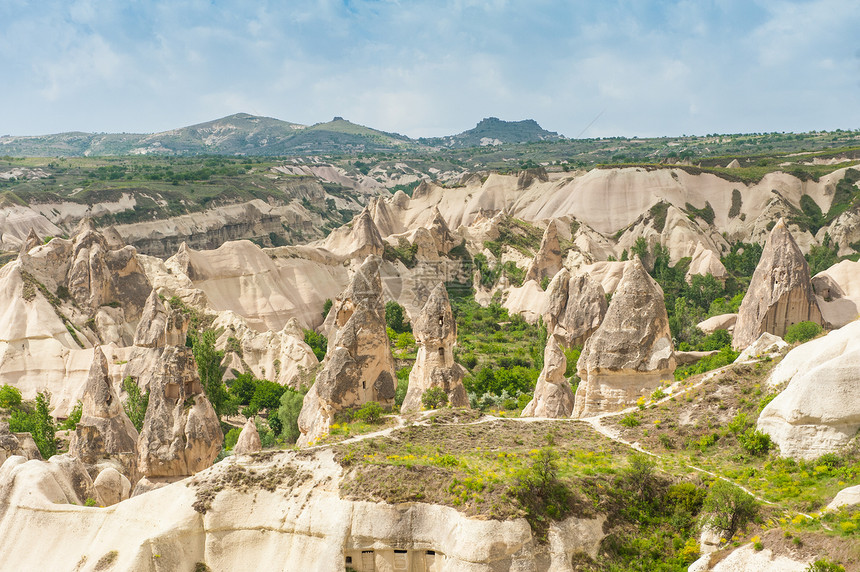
(755, 442)
(802, 332)
(326, 308)
(434, 398)
(540, 492)
(394, 317)
(728, 509)
(402, 385)
(9, 397)
(824, 565)
(317, 342)
(288, 413)
(370, 412)
(687, 497)
(267, 395)
(39, 424)
(231, 438)
(136, 403)
(630, 420)
(209, 368)
(74, 418)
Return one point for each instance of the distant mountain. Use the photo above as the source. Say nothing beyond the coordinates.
(243, 134)
(494, 131)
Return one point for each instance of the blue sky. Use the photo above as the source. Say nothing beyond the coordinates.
(429, 68)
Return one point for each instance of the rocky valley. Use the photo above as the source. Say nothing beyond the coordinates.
(500, 350)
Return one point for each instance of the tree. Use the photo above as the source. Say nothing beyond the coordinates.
(728, 509)
(209, 368)
(39, 424)
(136, 403)
(288, 413)
(394, 314)
(267, 395)
(317, 342)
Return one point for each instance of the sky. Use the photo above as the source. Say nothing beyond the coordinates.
(430, 68)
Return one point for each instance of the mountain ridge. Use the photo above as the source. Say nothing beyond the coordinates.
(246, 134)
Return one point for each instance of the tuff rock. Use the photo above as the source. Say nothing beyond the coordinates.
(358, 366)
(780, 292)
(631, 352)
(435, 332)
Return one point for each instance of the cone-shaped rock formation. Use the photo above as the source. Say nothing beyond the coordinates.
(104, 431)
(780, 292)
(631, 351)
(547, 262)
(358, 367)
(553, 395)
(435, 332)
(249, 439)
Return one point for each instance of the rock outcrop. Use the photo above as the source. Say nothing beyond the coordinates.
(837, 291)
(547, 261)
(766, 346)
(111, 486)
(780, 292)
(249, 439)
(160, 325)
(181, 434)
(705, 261)
(104, 432)
(575, 307)
(553, 396)
(290, 510)
(631, 352)
(358, 366)
(719, 322)
(435, 332)
(14, 444)
(817, 412)
(281, 356)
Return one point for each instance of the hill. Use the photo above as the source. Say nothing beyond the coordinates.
(494, 131)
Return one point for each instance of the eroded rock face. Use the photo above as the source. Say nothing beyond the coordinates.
(358, 366)
(12, 444)
(112, 486)
(435, 332)
(160, 325)
(98, 275)
(818, 411)
(181, 434)
(553, 395)
(547, 261)
(780, 292)
(104, 431)
(575, 307)
(631, 352)
(249, 439)
(704, 262)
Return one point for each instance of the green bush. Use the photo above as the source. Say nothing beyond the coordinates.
(231, 438)
(728, 509)
(630, 420)
(288, 413)
(395, 316)
(9, 397)
(755, 442)
(824, 565)
(371, 412)
(402, 386)
(540, 493)
(686, 496)
(802, 332)
(267, 395)
(209, 368)
(434, 398)
(74, 418)
(136, 403)
(39, 424)
(317, 342)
